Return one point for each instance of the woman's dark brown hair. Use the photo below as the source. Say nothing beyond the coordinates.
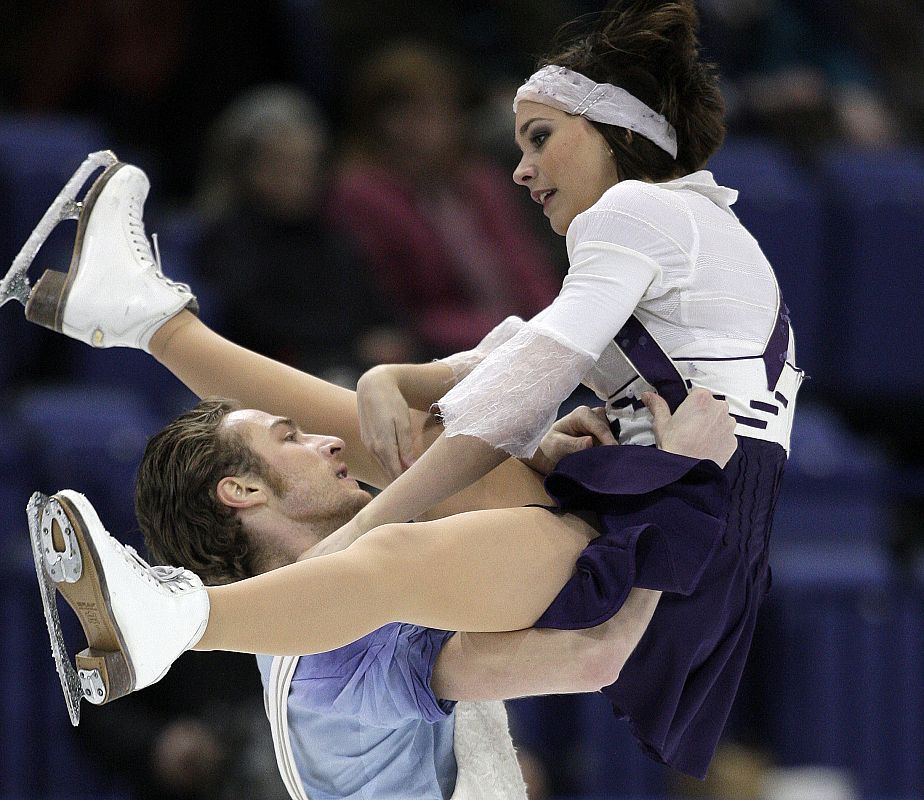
(650, 48)
(176, 502)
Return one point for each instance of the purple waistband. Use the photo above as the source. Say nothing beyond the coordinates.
(658, 369)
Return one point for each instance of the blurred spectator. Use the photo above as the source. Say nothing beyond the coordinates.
(502, 37)
(809, 783)
(737, 773)
(442, 226)
(790, 72)
(199, 734)
(155, 73)
(890, 35)
(290, 284)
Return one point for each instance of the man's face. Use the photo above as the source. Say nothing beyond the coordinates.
(316, 486)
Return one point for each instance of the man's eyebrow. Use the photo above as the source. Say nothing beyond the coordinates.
(284, 421)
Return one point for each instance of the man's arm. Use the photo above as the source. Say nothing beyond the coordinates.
(502, 666)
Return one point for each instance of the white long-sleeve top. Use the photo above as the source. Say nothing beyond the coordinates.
(676, 256)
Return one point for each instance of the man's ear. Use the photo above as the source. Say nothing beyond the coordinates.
(237, 492)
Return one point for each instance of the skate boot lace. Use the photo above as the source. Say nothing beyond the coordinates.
(175, 579)
(142, 246)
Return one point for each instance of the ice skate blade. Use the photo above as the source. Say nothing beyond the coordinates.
(49, 297)
(15, 284)
(105, 673)
(70, 683)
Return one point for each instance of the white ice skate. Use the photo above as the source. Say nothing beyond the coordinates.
(137, 619)
(114, 293)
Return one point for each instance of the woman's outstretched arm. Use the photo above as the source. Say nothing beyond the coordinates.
(481, 571)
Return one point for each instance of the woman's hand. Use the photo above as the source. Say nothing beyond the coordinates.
(385, 421)
(700, 428)
(581, 429)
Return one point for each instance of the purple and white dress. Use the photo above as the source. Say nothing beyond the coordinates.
(666, 291)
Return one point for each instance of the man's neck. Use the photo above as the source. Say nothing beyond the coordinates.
(286, 542)
(338, 540)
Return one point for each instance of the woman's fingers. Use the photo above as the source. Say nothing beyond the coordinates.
(584, 421)
(385, 443)
(405, 447)
(385, 423)
(660, 413)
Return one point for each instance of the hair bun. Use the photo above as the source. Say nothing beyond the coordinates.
(651, 29)
(651, 49)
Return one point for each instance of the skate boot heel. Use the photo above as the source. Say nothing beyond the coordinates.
(46, 299)
(104, 676)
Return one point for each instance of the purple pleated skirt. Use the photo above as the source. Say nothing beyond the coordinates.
(696, 532)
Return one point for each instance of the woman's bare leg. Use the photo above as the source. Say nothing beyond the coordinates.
(481, 571)
(209, 364)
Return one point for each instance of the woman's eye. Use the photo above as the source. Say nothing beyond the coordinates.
(290, 437)
(538, 139)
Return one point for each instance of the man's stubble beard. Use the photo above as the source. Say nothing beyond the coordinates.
(326, 523)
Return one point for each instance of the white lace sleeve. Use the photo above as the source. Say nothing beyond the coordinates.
(512, 397)
(463, 363)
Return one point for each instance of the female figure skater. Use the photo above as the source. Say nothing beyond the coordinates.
(667, 291)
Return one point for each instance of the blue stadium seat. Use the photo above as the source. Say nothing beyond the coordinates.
(584, 747)
(875, 251)
(836, 486)
(611, 763)
(40, 758)
(19, 472)
(38, 153)
(844, 688)
(121, 369)
(90, 439)
(782, 207)
(19, 343)
(547, 727)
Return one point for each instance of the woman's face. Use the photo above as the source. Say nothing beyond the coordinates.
(566, 163)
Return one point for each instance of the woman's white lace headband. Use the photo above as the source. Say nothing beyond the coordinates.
(577, 94)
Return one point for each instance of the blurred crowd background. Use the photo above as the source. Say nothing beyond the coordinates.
(333, 179)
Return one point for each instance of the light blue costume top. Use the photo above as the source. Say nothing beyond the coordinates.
(364, 723)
